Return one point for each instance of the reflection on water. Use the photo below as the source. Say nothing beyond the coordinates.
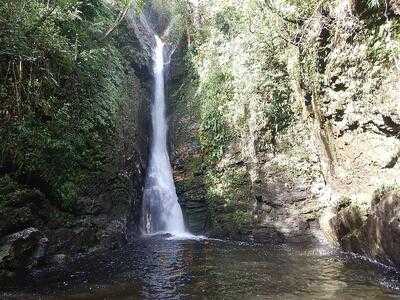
(157, 268)
(163, 269)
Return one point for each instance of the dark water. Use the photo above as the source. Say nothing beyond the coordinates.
(209, 269)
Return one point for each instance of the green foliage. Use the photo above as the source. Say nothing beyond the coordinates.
(60, 91)
(241, 55)
(374, 3)
(228, 200)
(242, 90)
(68, 192)
(7, 186)
(227, 21)
(214, 134)
(279, 112)
(380, 48)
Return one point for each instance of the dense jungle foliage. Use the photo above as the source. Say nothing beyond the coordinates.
(64, 76)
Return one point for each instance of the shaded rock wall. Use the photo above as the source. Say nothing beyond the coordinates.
(21, 252)
(372, 231)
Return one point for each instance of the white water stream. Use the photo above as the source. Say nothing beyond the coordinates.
(161, 210)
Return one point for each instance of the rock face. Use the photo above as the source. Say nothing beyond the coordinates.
(322, 164)
(34, 231)
(373, 231)
(20, 252)
(24, 208)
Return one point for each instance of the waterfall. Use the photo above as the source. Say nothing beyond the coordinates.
(161, 210)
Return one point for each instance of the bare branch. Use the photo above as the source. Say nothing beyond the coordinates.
(121, 16)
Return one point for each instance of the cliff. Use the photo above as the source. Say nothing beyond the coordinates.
(286, 115)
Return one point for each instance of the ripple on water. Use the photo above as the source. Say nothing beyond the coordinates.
(176, 267)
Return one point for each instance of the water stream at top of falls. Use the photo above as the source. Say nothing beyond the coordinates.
(161, 210)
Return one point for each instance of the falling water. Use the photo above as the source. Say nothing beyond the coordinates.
(161, 210)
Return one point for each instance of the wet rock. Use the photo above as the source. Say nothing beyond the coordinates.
(114, 236)
(374, 232)
(59, 260)
(60, 239)
(89, 232)
(268, 235)
(164, 236)
(158, 236)
(85, 237)
(22, 250)
(23, 209)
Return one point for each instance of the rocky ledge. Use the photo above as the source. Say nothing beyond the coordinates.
(35, 234)
(370, 230)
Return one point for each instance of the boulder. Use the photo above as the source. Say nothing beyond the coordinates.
(23, 209)
(372, 232)
(22, 251)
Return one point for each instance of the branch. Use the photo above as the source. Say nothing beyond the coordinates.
(117, 22)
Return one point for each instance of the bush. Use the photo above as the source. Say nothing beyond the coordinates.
(214, 134)
(61, 92)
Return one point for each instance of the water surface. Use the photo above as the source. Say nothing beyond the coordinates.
(156, 268)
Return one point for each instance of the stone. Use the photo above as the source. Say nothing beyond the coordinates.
(374, 233)
(23, 209)
(59, 259)
(14, 219)
(268, 235)
(114, 236)
(23, 250)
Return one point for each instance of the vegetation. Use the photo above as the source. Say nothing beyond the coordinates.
(62, 85)
(261, 67)
(252, 71)
(228, 201)
(214, 132)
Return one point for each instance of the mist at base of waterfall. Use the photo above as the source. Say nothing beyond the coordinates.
(176, 236)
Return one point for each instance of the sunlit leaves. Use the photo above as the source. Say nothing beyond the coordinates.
(214, 132)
